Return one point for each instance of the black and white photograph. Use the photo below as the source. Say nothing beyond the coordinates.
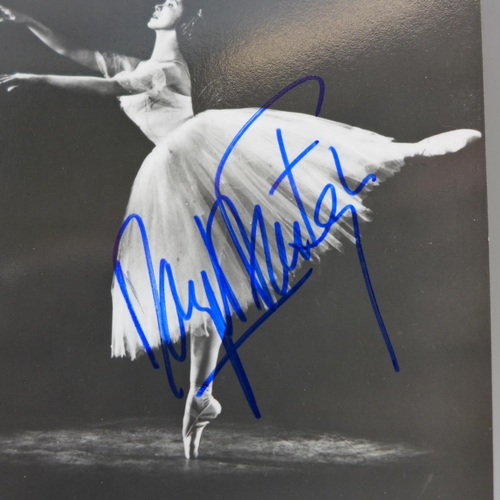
(245, 250)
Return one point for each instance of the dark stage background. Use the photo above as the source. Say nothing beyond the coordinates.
(405, 69)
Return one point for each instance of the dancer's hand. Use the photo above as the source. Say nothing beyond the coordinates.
(58, 43)
(11, 82)
(13, 16)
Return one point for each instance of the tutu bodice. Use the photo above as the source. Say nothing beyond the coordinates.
(153, 106)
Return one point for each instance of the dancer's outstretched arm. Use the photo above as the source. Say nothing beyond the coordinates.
(56, 42)
(88, 84)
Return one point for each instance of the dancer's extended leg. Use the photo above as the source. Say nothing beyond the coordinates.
(447, 142)
(200, 410)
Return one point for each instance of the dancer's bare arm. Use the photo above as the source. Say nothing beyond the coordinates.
(86, 84)
(56, 42)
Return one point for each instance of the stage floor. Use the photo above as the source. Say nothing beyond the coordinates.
(144, 459)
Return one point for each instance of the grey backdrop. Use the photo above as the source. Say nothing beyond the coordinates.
(403, 69)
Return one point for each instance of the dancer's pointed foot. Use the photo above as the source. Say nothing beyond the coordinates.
(198, 414)
(448, 142)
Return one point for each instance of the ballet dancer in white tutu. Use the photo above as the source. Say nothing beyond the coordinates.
(198, 192)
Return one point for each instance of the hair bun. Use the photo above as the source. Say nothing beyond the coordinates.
(193, 13)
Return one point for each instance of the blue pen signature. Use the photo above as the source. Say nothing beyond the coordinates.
(246, 243)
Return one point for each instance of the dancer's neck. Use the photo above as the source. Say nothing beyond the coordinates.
(166, 46)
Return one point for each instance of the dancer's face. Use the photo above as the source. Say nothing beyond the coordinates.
(166, 15)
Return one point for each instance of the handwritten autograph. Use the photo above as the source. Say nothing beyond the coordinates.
(246, 242)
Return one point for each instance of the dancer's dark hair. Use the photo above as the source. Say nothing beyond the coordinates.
(191, 18)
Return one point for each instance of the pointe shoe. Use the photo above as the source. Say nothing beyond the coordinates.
(448, 142)
(192, 440)
(195, 421)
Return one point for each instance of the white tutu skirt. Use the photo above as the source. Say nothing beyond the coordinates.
(174, 193)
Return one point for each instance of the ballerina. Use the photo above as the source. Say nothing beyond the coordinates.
(194, 241)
